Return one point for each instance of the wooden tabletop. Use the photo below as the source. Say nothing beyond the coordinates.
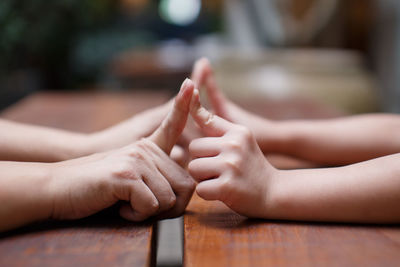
(216, 236)
(100, 240)
(213, 234)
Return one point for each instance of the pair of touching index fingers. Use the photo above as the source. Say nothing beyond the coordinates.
(165, 137)
(167, 134)
(187, 101)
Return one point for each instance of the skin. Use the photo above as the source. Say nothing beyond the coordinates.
(229, 166)
(330, 142)
(23, 142)
(142, 175)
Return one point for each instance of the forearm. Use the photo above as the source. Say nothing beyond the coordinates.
(24, 194)
(21, 142)
(336, 141)
(129, 130)
(364, 192)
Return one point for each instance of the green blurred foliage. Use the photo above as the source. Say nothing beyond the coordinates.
(40, 34)
(69, 43)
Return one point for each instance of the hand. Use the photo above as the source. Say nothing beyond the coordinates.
(229, 165)
(203, 76)
(131, 130)
(137, 127)
(142, 174)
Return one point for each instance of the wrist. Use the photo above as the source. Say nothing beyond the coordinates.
(273, 137)
(275, 195)
(114, 137)
(59, 191)
(43, 206)
(96, 143)
(71, 146)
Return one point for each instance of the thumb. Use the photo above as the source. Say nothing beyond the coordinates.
(167, 134)
(209, 123)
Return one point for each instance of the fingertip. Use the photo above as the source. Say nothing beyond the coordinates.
(203, 61)
(185, 93)
(200, 114)
(199, 191)
(206, 65)
(195, 101)
(203, 192)
(201, 70)
(187, 82)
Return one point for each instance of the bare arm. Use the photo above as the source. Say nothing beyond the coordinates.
(335, 141)
(24, 193)
(23, 142)
(141, 174)
(328, 142)
(362, 192)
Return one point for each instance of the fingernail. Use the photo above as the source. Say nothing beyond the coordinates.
(185, 82)
(184, 85)
(195, 102)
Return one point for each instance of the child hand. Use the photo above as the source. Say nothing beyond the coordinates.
(203, 75)
(142, 174)
(229, 165)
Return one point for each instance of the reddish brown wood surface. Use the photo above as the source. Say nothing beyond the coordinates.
(216, 236)
(103, 239)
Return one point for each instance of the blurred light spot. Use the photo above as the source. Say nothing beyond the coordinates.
(273, 80)
(180, 12)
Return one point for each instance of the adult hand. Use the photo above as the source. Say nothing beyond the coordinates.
(142, 174)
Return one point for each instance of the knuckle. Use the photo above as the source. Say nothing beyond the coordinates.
(225, 184)
(233, 145)
(171, 201)
(141, 144)
(124, 170)
(153, 207)
(244, 134)
(137, 151)
(233, 164)
(225, 189)
(144, 145)
(188, 185)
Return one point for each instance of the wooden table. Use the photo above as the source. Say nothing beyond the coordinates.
(216, 236)
(213, 235)
(100, 240)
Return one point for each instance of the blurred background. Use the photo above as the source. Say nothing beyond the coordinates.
(339, 53)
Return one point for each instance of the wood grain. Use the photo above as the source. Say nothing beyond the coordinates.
(100, 240)
(216, 236)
